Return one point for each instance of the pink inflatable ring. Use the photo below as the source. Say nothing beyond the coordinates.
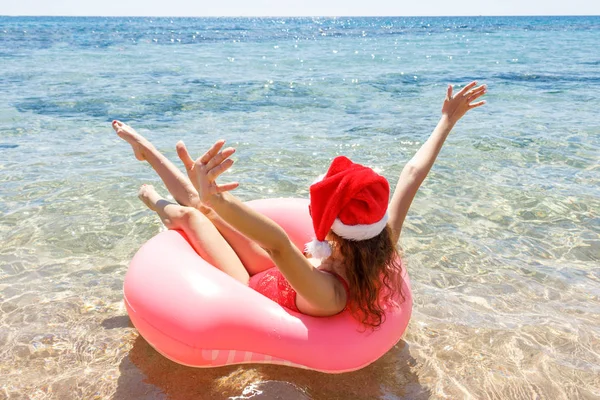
(196, 315)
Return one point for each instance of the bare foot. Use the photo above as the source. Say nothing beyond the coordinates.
(137, 141)
(148, 195)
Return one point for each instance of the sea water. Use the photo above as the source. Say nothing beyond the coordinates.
(501, 242)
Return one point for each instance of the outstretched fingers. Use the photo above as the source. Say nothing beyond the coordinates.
(213, 173)
(213, 151)
(478, 104)
(184, 155)
(466, 88)
(227, 187)
(475, 93)
(220, 157)
(205, 170)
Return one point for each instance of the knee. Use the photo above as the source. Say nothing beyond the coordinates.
(182, 217)
(186, 214)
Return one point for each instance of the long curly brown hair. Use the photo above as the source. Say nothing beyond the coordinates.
(372, 266)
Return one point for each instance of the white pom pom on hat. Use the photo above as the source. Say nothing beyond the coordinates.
(318, 249)
(351, 200)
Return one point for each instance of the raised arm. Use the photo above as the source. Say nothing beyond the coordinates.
(316, 287)
(416, 170)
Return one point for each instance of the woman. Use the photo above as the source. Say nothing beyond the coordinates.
(353, 257)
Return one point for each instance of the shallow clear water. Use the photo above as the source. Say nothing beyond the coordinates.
(502, 242)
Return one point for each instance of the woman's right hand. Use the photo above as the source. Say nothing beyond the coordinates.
(456, 106)
(206, 169)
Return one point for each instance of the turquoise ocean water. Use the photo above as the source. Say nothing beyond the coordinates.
(502, 242)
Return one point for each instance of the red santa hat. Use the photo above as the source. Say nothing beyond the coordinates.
(351, 200)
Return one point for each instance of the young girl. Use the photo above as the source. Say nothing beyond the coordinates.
(354, 254)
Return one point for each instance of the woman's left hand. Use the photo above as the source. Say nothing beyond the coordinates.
(205, 170)
(456, 106)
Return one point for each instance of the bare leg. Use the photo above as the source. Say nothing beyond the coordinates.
(253, 257)
(202, 234)
(177, 184)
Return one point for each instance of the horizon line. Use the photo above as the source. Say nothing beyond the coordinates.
(300, 16)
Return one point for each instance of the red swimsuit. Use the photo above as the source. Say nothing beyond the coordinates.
(272, 284)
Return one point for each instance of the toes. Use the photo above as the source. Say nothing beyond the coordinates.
(120, 126)
(145, 188)
(145, 191)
